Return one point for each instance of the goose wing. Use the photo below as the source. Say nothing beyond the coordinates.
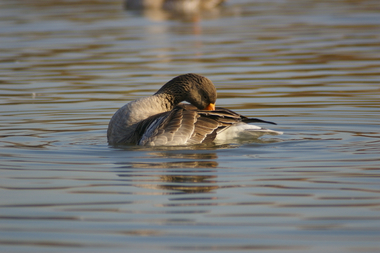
(185, 124)
(182, 125)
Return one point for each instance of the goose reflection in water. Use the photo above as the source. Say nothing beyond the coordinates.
(184, 176)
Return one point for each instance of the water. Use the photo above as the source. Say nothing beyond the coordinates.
(311, 66)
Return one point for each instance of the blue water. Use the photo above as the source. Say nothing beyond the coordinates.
(312, 67)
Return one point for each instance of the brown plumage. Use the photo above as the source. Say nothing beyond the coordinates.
(161, 120)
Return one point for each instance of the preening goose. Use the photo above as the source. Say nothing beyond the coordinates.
(161, 120)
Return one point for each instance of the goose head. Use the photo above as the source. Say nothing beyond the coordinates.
(193, 88)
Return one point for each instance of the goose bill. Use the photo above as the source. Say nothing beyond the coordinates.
(210, 107)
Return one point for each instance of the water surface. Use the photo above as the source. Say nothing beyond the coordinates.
(313, 67)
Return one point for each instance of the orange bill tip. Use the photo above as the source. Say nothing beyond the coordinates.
(210, 107)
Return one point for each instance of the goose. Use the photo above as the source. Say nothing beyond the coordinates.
(186, 5)
(162, 120)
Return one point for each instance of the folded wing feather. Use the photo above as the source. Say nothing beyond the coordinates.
(185, 124)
